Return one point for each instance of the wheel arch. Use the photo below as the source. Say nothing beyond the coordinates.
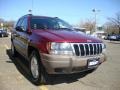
(31, 49)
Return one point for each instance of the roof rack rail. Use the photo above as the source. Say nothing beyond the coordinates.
(27, 15)
(55, 17)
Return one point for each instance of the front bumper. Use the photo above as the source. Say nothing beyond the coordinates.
(59, 64)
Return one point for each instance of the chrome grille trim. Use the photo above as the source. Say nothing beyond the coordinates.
(87, 49)
(84, 50)
(79, 50)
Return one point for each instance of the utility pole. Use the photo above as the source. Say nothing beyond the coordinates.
(32, 4)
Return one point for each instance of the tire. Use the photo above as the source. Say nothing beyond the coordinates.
(13, 50)
(2, 35)
(37, 72)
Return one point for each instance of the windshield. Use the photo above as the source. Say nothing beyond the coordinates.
(49, 23)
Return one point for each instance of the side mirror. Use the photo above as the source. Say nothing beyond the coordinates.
(19, 28)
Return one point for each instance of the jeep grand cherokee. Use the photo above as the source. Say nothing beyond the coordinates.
(51, 45)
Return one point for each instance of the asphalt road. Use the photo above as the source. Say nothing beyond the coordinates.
(14, 73)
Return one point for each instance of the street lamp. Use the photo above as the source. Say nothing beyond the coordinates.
(95, 11)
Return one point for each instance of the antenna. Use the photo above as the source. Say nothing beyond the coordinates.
(31, 10)
(32, 4)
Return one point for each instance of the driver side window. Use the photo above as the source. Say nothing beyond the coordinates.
(19, 22)
(24, 24)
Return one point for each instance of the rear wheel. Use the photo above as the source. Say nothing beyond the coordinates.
(36, 69)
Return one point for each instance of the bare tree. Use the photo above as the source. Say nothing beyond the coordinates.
(116, 21)
(110, 28)
(9, 25)
(89, 25)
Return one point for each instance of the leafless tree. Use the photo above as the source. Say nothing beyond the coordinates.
(110, 28)
(116, 21)
(7, 24)
(89, 25)
(1, 21)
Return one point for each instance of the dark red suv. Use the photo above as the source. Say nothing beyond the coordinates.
(51, 45)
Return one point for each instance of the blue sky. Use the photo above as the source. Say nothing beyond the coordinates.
(72, 11)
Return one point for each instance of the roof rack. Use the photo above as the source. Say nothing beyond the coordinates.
(27, 15)
(55, 17)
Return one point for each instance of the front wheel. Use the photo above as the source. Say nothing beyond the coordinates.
(36, 69)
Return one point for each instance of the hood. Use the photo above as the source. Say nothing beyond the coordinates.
(65, 36)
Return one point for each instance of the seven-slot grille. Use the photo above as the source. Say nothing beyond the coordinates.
(87, 49)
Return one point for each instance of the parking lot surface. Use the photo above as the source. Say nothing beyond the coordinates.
(14, 73)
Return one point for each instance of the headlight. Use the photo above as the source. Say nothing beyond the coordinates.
(61, 49)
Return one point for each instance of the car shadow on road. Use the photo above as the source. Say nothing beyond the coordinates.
(23, 67)
(67, 78)
(20, 63)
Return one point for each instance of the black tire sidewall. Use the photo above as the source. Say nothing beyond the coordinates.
(36, 81)
(2, 35)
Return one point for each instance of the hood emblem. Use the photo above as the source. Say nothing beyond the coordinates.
(89, 40)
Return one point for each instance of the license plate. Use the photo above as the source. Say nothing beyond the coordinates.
(93, 62)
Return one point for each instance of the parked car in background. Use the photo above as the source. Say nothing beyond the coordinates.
(112, 37)
(118, 37)
(3, 33)
(115, 37)
(99, 34)
(107, 37)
